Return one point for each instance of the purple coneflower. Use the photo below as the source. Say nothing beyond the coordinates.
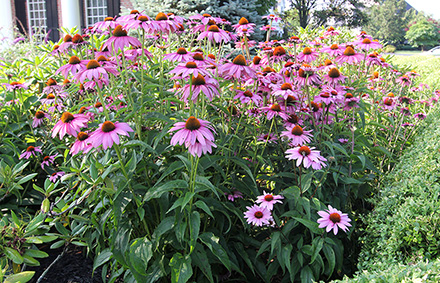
(235, 195)
(47, 160)
(247, 96)
(214, 33)
(350, 56)
(297, 135)
(334, 77)
(69, 124)
(184, 70)
(120, 39)
(332, 219)
(237, 69)
(275, 110)
(257, 215)
(15, 86)
(74, 65)
(307, 76)
(55, 176)
(268, 200)
(94, 71)
(181, 55)
(39, 118)
(200, 84)
(306, 155)
(367, 44)
(243, 26)
(108, 133)
(82, 143)
(308, 55)
(30, 151)
(404, 80)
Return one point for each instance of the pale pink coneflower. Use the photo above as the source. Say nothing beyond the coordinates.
(119, 40)
(247, 97)
(350, 56)
(308, 55)
(257, 215)
(69, 124)
(82, 143)
(215, 34)
(55, 176)
(331, 32)
(297, 135)
(184, 70)
(108, 133)
(367, 44)
(334, 77)
(30, 151)
(333, 50)
(307, 76)
(267, 200)
(47, 160)
(243, 26)
(404, 80)
(285, 90)
(332, 219)
(73, 66)
(15, 86)
(275, 110)
(307, 156)
(181, 55)
(94, 71)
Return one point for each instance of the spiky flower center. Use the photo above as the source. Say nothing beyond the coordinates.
(191, 65)
(211, 56)
(268, 197)
(307, 51)
(239, 60)
(314, 106)
(348, 95)
(50, 96)
(247, 93)
(192, 123)
(134, 12)
(119, 31)
(39, 114)
(297, 131)
(243, 21)
(46, 158)
(161, 17)
(82, 110)
(82, 136)
(93, 64)
(142, 18)
(213, 28)
(258, 214)
(328, 62)
(198, 57)
(279, 51)
(304, 150)
(30, 148)
(276, 108)
(74, 60)
(268, 70)
(77, 38)
(206, 15)
(286, 86)
(291, 100)
(390, 94)
(67, 117)
(109, 19)
(335, 217)
(331, 29)
(107, 127)
(388, 101)
(349, 51)
(98, 104)
(67, 38)
(101, 58)
(366, 41)
(334, 47)
(293, 118)
(66, 82)
(325, 95)
(51, 82)
(334, 73)
(199, 80)
(182, 51)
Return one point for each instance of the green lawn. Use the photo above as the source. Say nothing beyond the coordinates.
(411, 52)
(427, 66)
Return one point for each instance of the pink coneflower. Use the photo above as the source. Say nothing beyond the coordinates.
(343, 141)
(297, 135)
(279, 54)
(94, 71)
(275, 110)
(55, 176)
(307, 76)
(367, 44)
(332, 219)
(237, 69)
(389, 103)
(257, 215)
(404, 80)
(235, 195)
(52, 86)
(82, 143)
(108, 22)
(198, 149)
(69, 124)
(206, 18)
(351, 102)
(200, 84)
(214, 33)
(39, 118)
(420, 116)
(307, 156)
(308, 55)
(47, 160)
(268, 200)
(285, 90)
(334, 77)
(350, 56)
(73, 66)
(331, 32)
(247, 96)
(269, 138)
(15, 86)
(333, 50)
(162, 24)
(181, 55)
(108, 133)
(120, 39)
(140, 21)
(30, 151)
(184, 70)
(272, 18)
(374, 59)
(191, 132)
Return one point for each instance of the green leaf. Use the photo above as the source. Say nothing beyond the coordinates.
(201, 260)
(202, 205)
(57, 244)
(316, 248)
(93, 171)
(313, 226)
(307, 275)
(244, 255)
(140, 254)
(157, 192)
(30, 261)
(194, 229)
(60, 228)
(211, 241)
(36, 253)
(21, 277)
(102, 258)
(27, 178)
(331, 258)
(181, 270)
(13, 255)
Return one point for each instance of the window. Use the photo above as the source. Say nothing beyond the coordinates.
(37, 18)
(96, 11)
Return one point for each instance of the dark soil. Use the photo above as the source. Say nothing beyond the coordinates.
(72, 267)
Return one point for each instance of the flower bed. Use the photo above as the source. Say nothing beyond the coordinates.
(169, 154)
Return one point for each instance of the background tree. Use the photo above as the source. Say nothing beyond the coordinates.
(350, 13)
(304, 8)
(423, 33)
(387, 21)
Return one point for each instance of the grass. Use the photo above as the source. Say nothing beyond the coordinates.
(427, 66)
(410, 52)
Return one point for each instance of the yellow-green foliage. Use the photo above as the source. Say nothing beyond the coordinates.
(426, 65)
